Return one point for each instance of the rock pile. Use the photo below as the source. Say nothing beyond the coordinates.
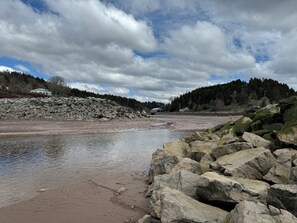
(62, 108)
(239, 172)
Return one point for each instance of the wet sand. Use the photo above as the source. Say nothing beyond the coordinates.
(93, 200)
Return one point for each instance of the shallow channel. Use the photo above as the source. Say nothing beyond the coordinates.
(28, 164)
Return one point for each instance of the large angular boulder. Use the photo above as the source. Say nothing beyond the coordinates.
(250, 163)
(198, 149)
(250, 212)
(178, 207)
(280, 172)
(215, 187)
(288, 110)
(283, 196)
(187, 164)
(257, 141)
(288, 135)
(177, 148)
(161, 163)
(184, 181)
(229, 149)
(242, 125)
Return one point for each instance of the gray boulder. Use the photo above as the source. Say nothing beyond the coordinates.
(177, 148)
(283, 196)
(249, 163)
(250, 212)
(280, 172)
(183, 181)
(200, 148)
(215, 187)
(161, 163)
(178, 207)
(187, 164)
(229, 149)
(257, 141)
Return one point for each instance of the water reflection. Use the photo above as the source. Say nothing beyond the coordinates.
(30, 163)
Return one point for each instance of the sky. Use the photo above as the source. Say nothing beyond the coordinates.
(150, 49)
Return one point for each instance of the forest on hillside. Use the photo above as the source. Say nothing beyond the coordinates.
(235, 95)
(15, 84)
(256, 92)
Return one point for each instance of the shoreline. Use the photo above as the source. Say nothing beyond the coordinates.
(73, 203)
(50, 127)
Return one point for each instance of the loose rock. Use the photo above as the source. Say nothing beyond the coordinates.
(250, 212)
(178, 207)
(280, 172)
(283, 196)
(215, 187)
(249, 163)
(256, 140)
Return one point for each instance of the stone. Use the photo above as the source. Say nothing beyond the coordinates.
(121, 190)
(250, 163)
(184, 181)
(176, 148)
(242, 125)
(251, 212)
(257, 141)
(187, 164)
(288, 135)
(288, 110)
(280, 172)
(215, 187)
(284, 196)
(161, 163)
(145, 219)
(200, 148)
(178, 207)
(257, 125)
(64, 108)
(229, 149)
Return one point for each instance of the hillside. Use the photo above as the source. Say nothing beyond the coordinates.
(236, 95)
(19, 85)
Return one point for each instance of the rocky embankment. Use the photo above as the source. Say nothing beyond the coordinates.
(62, 108)
(241, 172)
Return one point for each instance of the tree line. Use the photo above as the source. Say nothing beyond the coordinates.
(237, 92)
(15, 84)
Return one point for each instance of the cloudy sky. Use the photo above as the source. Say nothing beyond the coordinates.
(150, 49)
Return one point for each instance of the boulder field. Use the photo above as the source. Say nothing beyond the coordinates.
(64, 108)
(242, 171)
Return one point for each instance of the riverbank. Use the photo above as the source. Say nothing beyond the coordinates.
(37, 127)
(94, 198)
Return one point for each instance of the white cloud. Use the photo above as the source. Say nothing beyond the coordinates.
(92, 44)
(206, 45)
(22, 68)
(4, 68)
(96, 88)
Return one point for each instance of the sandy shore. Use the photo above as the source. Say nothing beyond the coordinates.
(24, 127)
(93, 200)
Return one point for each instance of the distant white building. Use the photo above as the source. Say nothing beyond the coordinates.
(186, 109)
(41, 91)
(156, 110)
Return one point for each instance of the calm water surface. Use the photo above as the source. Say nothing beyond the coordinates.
(30, 163)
